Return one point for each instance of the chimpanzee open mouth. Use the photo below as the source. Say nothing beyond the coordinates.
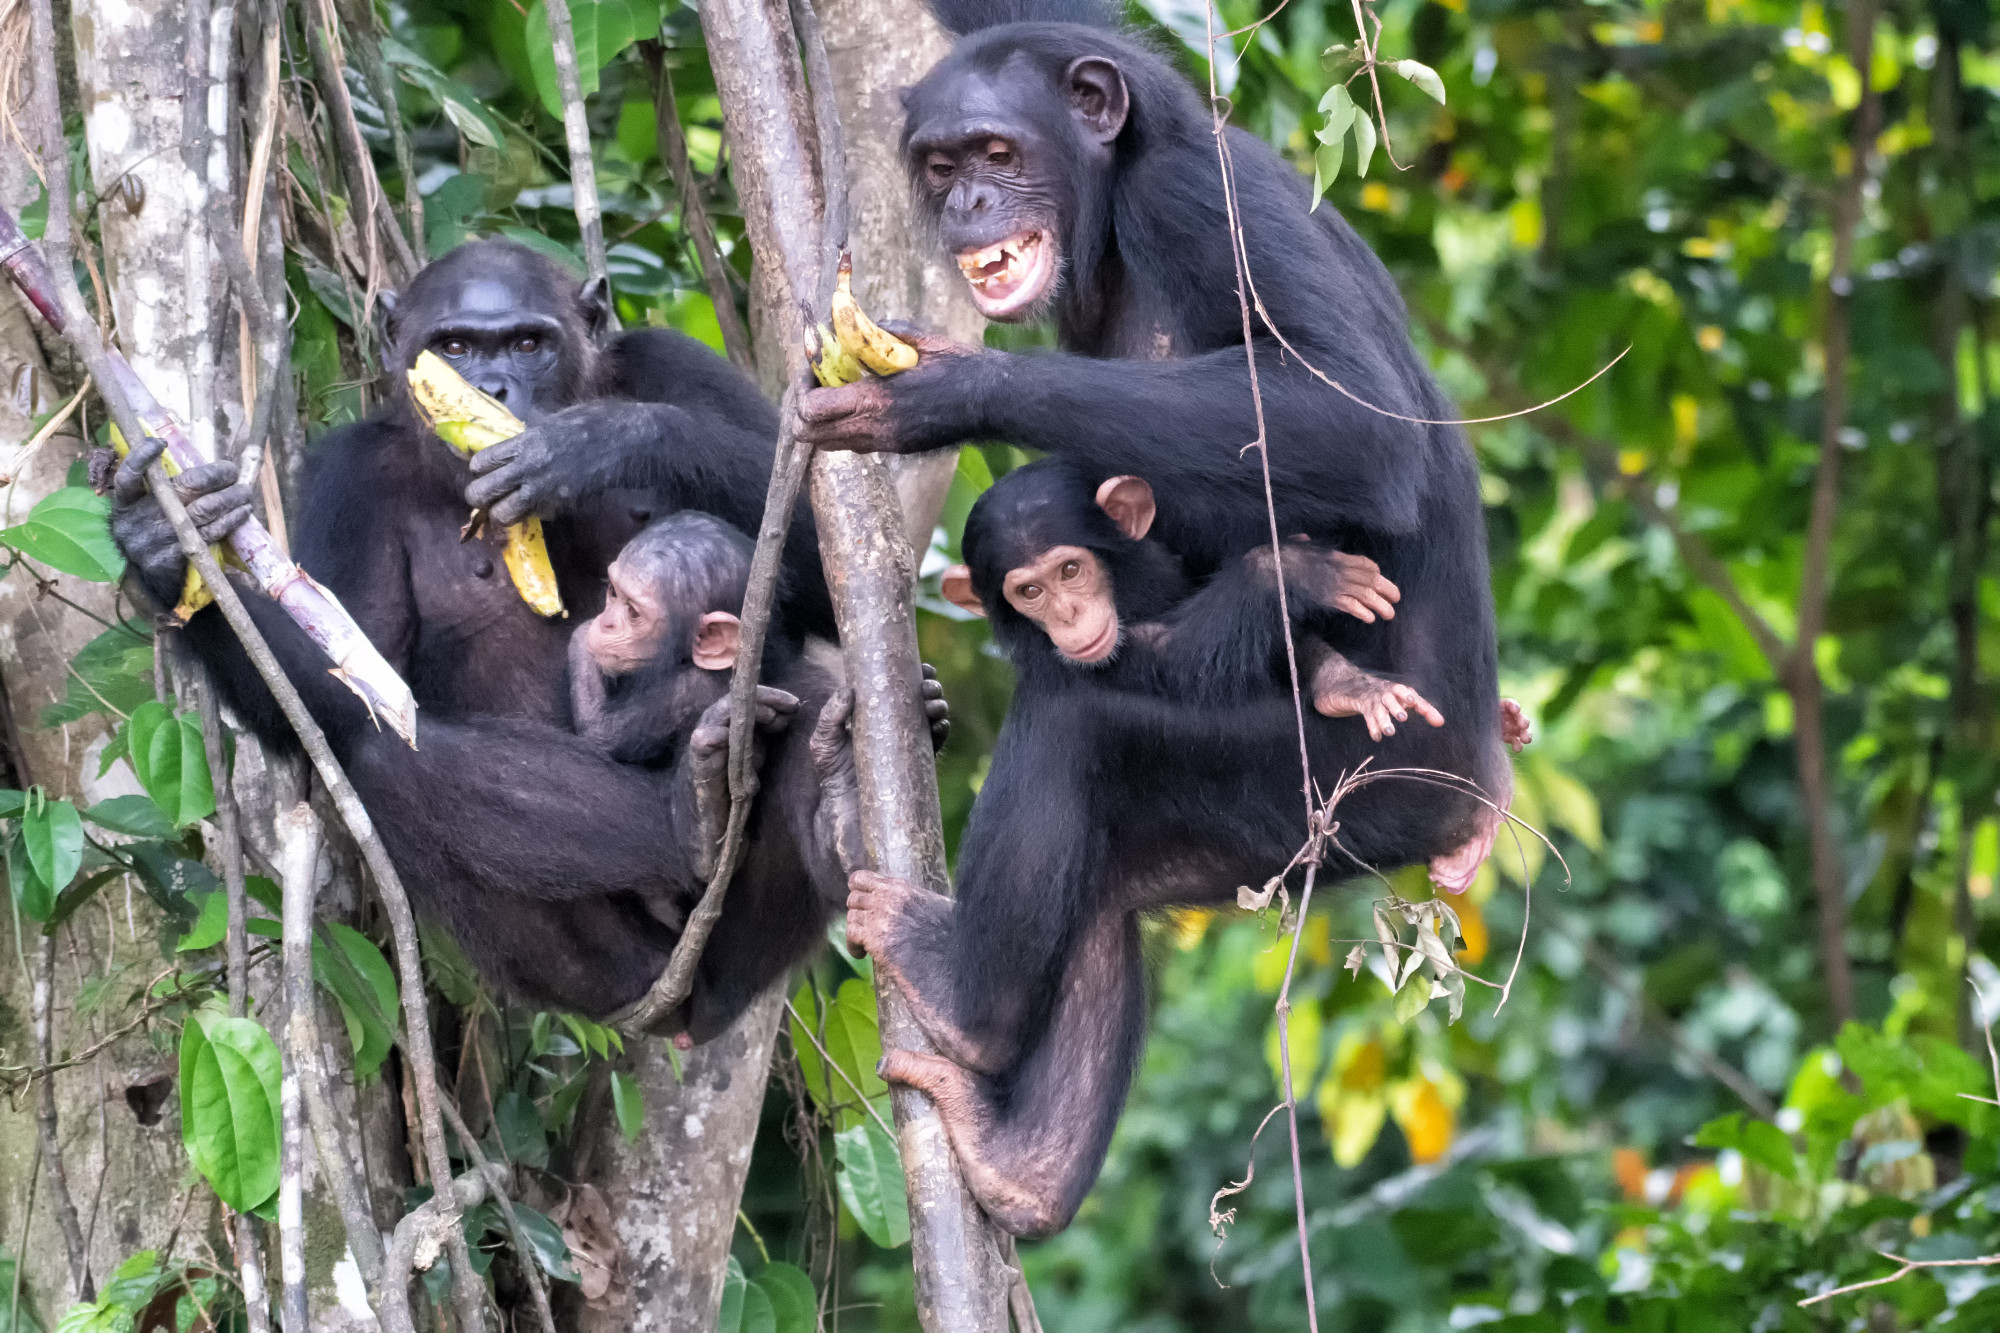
(1009, 277)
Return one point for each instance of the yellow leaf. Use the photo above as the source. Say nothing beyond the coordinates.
(1189, 925)
(1525, 221)
(1687, 419)
(1843, 81)
(1709, 338)
(1359, 1063)
(1428, 1124)
(1352, 1123)
(1375, 195)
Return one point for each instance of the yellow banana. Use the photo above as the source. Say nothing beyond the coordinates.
(468, 421)
(874, 346)
(833, 365)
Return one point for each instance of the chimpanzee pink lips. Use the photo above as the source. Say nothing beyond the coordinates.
(1008, 277)
(1097, 649)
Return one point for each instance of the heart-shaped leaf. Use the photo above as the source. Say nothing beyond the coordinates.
(52, 833)
(70, 531)
(166, 753)
(229, 1106)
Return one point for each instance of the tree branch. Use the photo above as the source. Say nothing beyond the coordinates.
(695, 222)
(576, 132)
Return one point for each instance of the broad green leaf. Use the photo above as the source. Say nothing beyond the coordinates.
(53, 835)
(229, 1106)
(167, 755)
(11, 802)
(545, 1238)
(520, 1127)
(364, 985)
(1423, 76)
(1758, 1141)
(1340, 112)
(461, 105)
(602, 29)
(134, 816)
(852, 1038)
(1326, 168)
(114, 670)
(70, 531)
(746, 1307)
(209, 927)
(33, 898)
(1364, 142)
(794, 1303)
(630, 1104)
(871, 1183)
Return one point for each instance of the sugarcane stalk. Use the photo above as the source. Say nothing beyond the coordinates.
(356, 663)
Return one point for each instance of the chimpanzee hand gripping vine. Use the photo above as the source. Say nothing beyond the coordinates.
(1073, 173)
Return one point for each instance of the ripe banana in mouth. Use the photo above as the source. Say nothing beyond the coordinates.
(855, 341)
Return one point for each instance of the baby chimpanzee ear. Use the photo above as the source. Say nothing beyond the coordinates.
(716, 640)
(957, 589)
(1129, 502)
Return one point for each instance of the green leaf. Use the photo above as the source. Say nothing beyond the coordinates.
(229, 1106)
(114, 670)
(1326, 168)
(134, 816)
(545, 1238)
(167, 754)
(1340, 112)
(1758, 1141)
(70, 531)
(871, 1183)
(794, 1303)
(11, 802)
(32, 897)
(461, 105)
(209, 927)
(364, 985)
(629, 1103)
(602, 29)
(1423, 76)
(1364, 143)
(520, 1125)
(746, 1308)
(53, 835)
(14, 1318)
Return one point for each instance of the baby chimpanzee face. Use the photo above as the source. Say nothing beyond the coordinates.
(627, 632)
(1067, 592)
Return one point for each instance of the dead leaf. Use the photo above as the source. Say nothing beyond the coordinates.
(593, 1243)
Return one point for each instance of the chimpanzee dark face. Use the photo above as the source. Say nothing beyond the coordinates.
(1002, 160)
(513, 323)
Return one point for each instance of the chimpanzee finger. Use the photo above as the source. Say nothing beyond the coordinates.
(220, 513)
(495, 456)
(129, 483)
(830, 732)
(775, 708)
(1422, 706)
(1377, 603)
(1352, 606)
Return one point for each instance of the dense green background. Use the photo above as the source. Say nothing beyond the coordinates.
(1658, 175)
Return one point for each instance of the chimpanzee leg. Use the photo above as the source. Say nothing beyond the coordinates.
(1032, 1146)
(909, 932)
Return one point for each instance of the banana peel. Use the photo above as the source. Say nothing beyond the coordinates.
(855, 343)
(194, 593)
(469, 421)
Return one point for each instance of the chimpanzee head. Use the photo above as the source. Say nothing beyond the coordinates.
(1010, 144)
(1049, 554)
(674, 596)
(514, 323)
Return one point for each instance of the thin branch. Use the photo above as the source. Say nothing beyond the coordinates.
(1909, 1266)
(64, 1206)
(695, 222)
(371, 207)
(834, 1065)
(298, 840)
(576, 132)
(531, 1268)
(423, 1231)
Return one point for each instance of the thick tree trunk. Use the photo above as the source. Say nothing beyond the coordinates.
(675, 1190)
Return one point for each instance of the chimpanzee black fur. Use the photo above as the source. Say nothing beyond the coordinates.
(620, 429)
(1049, 124)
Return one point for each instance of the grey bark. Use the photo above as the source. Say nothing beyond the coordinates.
(675, 1190)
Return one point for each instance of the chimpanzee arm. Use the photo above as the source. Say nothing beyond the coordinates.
(1180, 424)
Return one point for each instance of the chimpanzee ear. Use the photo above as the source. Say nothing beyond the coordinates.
(385, 321)
(1129, 502)
(1097, 94)
(715, 641)
(957, 589)
(593, 302)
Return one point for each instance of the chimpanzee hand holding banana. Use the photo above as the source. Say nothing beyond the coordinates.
(854, 343)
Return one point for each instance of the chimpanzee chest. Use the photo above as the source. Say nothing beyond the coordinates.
(480, 648)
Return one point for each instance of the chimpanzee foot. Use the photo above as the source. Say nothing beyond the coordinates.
(881, 910)
(1454, 871)
(1342, 689)
(1515, 729)
(1004, 1188)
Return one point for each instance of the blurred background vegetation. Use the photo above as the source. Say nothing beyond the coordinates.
(1679, 1121)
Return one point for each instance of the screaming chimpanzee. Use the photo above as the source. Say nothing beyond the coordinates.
(619, 429)
(1109, 796)
(566, 877)
(1078, 564)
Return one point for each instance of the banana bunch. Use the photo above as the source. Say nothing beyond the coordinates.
(194, 593)
(855, 343)
(469, 421)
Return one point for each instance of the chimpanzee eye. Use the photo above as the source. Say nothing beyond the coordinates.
(455, 347)
(999, 154)
(940, 167)
(1071, 569)
(1030, 591)
(528, 346)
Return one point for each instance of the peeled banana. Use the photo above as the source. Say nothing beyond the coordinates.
(855, 341)
(469, 421)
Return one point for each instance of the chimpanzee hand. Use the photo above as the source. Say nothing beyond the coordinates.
(560, 458)
(927, 407)
(1333, 579)
(936, 710)
(708, 754)
(214, 501)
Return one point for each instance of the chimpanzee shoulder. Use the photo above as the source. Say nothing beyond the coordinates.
(667, 366)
